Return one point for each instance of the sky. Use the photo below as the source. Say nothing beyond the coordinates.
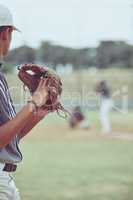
(75, 23)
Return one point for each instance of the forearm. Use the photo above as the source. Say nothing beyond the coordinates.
(33, 121)
(14, 126)
(29, 126)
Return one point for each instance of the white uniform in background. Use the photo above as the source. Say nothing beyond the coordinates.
(105, 108)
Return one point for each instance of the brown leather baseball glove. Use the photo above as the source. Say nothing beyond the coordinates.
(30, 75)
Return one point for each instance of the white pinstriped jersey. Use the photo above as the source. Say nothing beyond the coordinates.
(11, 152)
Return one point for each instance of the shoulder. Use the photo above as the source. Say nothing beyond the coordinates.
(3, 85)
(2, 78)
(1, 75)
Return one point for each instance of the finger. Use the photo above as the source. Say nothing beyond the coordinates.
(40, 84)
(44, 84)
(44, 88)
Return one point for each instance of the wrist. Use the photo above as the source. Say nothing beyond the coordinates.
(37, 98)
(32, 106)
(41, 113)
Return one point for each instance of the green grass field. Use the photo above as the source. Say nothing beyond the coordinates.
(61, 164)
(64, 164)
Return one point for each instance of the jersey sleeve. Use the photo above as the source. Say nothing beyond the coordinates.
(4, 116)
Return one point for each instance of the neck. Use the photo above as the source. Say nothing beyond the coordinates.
(1, 55)
(1, 58)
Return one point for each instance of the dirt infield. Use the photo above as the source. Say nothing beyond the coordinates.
(62, 131)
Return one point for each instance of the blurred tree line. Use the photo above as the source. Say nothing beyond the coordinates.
(107, 54)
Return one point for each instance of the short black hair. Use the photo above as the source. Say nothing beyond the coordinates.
(3, 28)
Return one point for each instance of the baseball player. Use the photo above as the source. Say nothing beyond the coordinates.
(78, 119)
(13, 127)
(105, 106)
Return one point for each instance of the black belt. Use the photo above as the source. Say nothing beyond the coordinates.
(9, 167)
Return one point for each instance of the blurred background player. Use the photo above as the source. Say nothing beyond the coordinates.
(78, 119)
(106, 105)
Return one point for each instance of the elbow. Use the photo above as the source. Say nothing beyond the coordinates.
(5, 137)
(3, 145)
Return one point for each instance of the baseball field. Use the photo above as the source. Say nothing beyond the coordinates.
(64, 164)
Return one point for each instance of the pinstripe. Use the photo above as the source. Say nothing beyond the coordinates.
(12, 110)
(4, 105)
(6, 102)
(11, 152)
